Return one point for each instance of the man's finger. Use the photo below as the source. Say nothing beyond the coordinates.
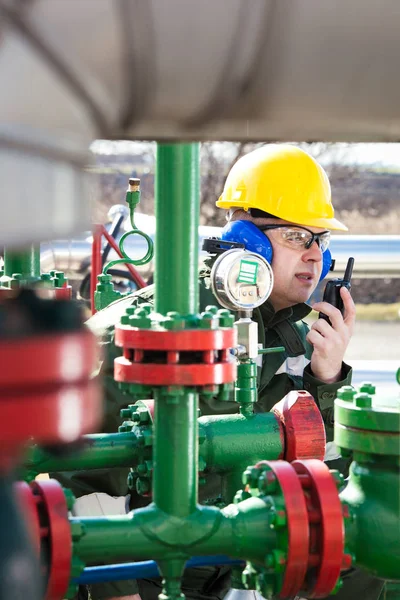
(349, 306)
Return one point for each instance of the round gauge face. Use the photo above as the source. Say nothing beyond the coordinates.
(241, 279)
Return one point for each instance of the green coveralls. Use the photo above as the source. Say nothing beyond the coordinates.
(284, 328)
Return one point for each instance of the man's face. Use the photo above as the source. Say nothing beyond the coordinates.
(297, 270)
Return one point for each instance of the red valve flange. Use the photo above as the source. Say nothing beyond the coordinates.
(44, 506)
(326, 527)
(297, 527)
(191, 357)
(55, 534)
(46, 389)
(304, 429)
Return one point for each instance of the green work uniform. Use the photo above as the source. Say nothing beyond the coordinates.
(278, 374)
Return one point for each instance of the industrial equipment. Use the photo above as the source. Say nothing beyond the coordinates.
(286, 518)
(290, 520)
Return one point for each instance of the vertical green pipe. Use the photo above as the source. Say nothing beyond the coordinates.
(177, 217)
(176, 289)
(175, 452)
(26, 262)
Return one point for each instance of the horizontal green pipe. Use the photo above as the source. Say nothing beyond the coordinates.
(240, 531)
(98, 451)
(372, 531)
(227, 441)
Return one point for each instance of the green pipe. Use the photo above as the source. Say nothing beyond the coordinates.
(177, 215)
(228, 444)
(372, 529)
(241, 531)
(175, 451)
(26, 262)
(229, 440)
(97, 451)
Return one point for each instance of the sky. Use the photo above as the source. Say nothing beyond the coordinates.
(371, 155)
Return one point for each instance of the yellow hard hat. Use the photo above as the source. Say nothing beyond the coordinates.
(284, 181)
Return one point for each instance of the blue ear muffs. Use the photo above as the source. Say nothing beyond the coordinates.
(247, 233)
(254, 240)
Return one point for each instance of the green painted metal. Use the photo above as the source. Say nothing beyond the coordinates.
(238, 530)
(97, 451)
(25, 262)
(177, 216)
(362, 412)
(105, 293)
(246, 386)
(174, 526)
(228, 444)
(175, 451)
(362, 425)
(372, 496)
(132, 198)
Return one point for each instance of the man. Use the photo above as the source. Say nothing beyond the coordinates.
(284, 195)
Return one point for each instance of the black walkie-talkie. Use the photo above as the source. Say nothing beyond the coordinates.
(332, 289)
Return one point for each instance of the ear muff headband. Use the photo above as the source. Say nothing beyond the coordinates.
(254, 240)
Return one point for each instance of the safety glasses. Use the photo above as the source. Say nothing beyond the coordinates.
(300, 237)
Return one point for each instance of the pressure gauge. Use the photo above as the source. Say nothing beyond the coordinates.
(241, 280)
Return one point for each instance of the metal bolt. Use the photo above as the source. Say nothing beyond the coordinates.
(104, 278)
(125, 413)
(345, 452)
(125, 427)
(279, 518)
(173, 321)
(142, 486)
(69, 497)
(267, 482)
(367, 388)
(346, 392)
(226, 319)
(147, 307)
(77, 530)
(338, 477)
(77, 567)
(363, 401)
(280, 560)
(250, 476)
(270, 561)
(128, 312)
(131, 480)
(212, 309)
(207, 320)
(338, 586)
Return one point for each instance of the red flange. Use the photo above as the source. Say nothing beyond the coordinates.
(149, 404)
(187, 340)
(297, 525)
(303, 426)
(66, 358)
(319, 484)
(46, 390)
(29, 510)
(63, 293)
(59, 537)
(174, 374)
(59, 415)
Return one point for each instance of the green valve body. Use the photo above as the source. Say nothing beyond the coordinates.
(370, 433)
